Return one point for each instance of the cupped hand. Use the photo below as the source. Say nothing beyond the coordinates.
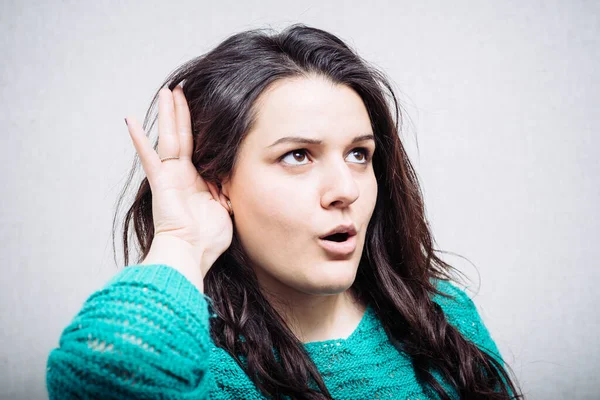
(184, 205)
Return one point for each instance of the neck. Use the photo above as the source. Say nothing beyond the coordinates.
(317, 317)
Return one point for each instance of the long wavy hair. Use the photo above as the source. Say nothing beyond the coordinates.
(398, 262)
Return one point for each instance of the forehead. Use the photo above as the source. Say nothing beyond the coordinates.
(310, 106)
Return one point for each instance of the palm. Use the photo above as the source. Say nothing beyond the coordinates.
(183, 204)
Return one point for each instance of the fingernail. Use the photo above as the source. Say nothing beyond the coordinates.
(126, 122)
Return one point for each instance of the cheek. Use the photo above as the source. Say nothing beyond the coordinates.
(276, 200)
(373, 195)
(272, 210)
(368, 194)
(274, 229)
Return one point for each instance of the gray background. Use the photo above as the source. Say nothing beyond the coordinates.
(502, 125)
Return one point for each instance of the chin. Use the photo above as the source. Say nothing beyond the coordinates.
(327, 281)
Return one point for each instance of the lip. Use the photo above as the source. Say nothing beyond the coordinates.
(347, 228)
(344, 248)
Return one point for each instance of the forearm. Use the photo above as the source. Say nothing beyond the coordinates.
(145, 334)
(179, 255)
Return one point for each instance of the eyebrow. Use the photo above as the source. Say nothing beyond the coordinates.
(299, 139)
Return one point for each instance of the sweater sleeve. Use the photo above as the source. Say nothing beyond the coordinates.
(144, 335)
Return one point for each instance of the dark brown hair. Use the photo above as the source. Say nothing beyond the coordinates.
(399, 261)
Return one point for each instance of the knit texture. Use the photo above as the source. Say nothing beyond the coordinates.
(145, 335)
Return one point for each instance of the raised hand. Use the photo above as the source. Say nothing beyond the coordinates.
(188, 212)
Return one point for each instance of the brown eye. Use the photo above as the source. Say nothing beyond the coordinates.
(363, 155)
(299, 155)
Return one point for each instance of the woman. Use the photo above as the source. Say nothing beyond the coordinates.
(285, 251)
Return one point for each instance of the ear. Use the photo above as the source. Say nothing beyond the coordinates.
(224, 187)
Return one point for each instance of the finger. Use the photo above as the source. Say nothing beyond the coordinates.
(168, 142)
(148, 157)
(183, 123)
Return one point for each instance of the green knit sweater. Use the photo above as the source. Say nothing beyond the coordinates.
(145, 335)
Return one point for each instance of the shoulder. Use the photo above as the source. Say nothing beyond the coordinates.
(459, 300)
(461, 312)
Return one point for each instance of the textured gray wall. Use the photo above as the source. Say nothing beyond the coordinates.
(501, 96)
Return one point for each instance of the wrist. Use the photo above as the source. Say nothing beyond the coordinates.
(177, 254)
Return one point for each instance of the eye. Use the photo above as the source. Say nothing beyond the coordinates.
(364, 155)
(298, 155)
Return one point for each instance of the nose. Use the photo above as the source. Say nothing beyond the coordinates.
(340, 188)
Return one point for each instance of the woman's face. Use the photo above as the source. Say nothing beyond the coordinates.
(285, 199)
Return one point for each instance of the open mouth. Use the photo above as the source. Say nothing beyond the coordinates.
(339, 244)
(337, 237)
